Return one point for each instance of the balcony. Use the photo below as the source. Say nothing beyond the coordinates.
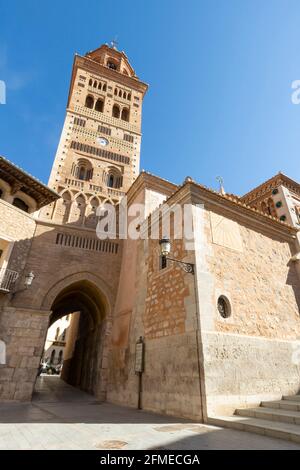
(115, 192)
(7, 279)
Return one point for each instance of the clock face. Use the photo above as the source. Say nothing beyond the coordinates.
(102, 141)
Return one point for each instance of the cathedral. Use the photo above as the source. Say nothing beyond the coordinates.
(207, 330)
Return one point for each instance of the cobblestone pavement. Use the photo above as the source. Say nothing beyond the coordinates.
(63, 417)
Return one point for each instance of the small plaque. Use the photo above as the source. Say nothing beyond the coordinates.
(139, 356)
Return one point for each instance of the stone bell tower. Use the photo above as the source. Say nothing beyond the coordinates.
(98, 155)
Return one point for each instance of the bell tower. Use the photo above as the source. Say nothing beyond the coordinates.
(98, 155)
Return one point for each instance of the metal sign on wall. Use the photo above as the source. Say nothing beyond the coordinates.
(139, 356)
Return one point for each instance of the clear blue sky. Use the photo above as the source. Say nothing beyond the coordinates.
(220, 75)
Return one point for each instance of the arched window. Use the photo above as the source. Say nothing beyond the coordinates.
(116, 91)
(99, 105)
(17, 202)
(116, 111)
(99, 86)
(129, 96)
(104, 87)
(125, 114)
(95, 84)
(111, 179)
(120, 93)
(57, 333)
(90, 82)
(114, 178)
(83, 170)
(111, 65)
(63, 336)
(89, 102)
(52, 356)
(125, 95)
(60, 356)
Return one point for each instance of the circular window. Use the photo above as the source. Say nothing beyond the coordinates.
(224, 308)
(275, 191)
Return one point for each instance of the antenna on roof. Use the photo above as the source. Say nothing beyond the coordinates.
(220, 179)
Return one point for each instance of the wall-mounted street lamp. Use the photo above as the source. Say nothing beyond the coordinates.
(27, 282)
(29, 279)
(165, 249)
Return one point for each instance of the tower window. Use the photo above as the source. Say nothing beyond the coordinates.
(114, 178)
(128, 138)
(104, 130)
(125, 114)
(111, 181)
(89, 102)
(79, 122)
(99, 106)
(111, 65)
(116, 111)
(83, 170)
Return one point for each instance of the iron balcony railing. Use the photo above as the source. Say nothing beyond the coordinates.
(7, 279)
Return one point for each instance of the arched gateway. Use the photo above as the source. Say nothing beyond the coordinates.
(83, 368)
(85, 295)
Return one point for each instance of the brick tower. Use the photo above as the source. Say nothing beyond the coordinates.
(98, 155)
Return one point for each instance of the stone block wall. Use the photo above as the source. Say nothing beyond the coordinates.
(249, 356)
(24, 333)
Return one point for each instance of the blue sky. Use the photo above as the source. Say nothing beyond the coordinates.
(220, 74)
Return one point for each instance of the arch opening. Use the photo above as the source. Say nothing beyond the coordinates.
(75, 339)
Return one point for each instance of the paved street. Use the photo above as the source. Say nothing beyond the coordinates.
(62, 417)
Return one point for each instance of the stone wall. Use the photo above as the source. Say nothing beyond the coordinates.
(165, 315)
(249, 356)
(24, 333)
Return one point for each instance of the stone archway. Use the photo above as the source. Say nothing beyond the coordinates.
(85, 368)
